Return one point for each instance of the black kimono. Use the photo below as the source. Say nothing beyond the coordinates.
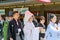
(41, 34)
(13, 29)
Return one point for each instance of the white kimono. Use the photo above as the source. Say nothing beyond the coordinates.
(30, 32)
(52, 33)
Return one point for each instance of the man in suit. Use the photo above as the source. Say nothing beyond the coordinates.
(15, 27)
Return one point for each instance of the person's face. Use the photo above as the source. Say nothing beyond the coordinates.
(16, 15)
(54, 19)
(43, 21)
(59, 21)
(31, 19)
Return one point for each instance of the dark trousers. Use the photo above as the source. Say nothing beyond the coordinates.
(22, 35)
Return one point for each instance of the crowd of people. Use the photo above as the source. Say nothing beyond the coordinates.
(11, 27)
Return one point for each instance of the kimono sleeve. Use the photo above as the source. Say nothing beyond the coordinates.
(10, 29)
(35, 33)
(47, 33)
(29, 26)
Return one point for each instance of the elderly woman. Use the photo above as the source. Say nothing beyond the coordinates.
(53, 31)
(30, 31)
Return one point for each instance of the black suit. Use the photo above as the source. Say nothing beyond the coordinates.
(13, 29)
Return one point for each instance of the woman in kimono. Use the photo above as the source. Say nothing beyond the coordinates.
(30, 31)
(53, 31)
(42, 25)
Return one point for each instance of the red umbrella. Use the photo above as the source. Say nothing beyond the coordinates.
(48, 1)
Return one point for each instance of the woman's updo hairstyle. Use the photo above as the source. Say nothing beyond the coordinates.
(51, 16)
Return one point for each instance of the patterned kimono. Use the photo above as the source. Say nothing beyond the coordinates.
(52, 33)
